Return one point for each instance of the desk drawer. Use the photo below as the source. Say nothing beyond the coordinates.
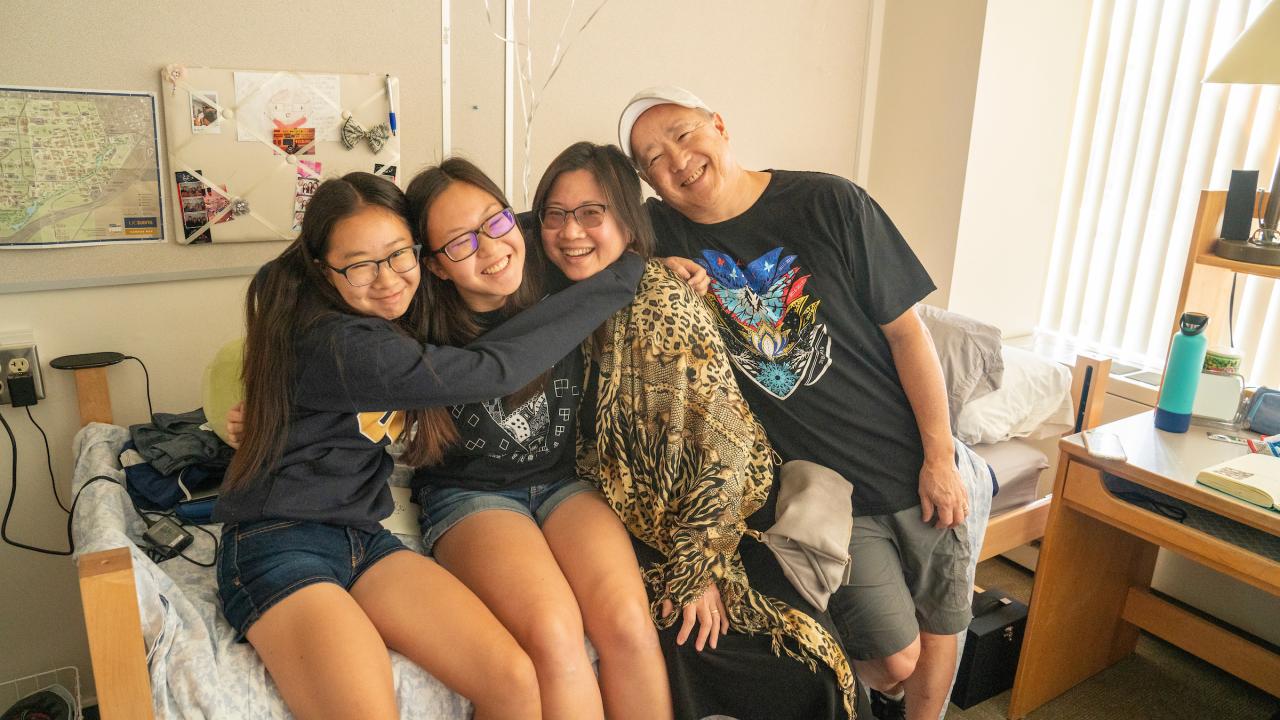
(1084, 491)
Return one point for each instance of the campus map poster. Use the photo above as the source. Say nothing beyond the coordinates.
(78, 167)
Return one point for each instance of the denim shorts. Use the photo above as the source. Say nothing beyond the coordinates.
(444, 507)
(264, 561)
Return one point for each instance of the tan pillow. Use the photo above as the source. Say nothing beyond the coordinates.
(969, 351)
(222, 386)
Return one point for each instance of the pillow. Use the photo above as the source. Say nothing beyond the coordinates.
(1033, 401)
(222, 386)
(969, 351)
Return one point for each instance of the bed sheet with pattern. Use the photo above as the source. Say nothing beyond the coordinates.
(197, 669)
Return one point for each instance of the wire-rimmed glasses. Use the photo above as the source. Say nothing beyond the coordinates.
(588, 215)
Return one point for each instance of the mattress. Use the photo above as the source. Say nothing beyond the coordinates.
(1017, 465)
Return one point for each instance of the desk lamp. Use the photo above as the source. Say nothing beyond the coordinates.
(1255, 60)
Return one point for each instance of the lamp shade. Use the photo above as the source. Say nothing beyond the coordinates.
(1255, 57)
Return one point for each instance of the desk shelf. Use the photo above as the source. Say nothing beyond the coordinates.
(1206, 281)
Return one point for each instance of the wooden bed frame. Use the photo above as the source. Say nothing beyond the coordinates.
(1016, 528)
(114, 625)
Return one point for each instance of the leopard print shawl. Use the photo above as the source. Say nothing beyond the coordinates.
(681, 459)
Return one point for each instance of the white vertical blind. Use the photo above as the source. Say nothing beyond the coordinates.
(1147, 137)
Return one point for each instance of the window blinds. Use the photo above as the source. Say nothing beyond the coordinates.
(1147, 137)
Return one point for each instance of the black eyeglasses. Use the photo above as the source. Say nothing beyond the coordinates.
(366, 271)
(466, 244)
(588, 215)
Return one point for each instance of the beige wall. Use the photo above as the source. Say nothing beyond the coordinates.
(788, 78)
(923, 115)
(1017, 156)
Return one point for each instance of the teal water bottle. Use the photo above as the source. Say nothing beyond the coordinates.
(1182, 374)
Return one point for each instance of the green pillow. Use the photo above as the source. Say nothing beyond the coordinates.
(223, 386)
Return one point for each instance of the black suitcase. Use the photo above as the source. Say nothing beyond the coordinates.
(990, 649)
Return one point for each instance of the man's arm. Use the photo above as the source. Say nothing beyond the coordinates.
(916, 359)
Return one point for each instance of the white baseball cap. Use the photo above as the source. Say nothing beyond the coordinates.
(651, 97)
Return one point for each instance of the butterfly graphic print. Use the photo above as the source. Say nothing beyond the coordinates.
(768, 322)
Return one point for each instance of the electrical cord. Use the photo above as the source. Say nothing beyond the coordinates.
(151, 413)
(48, 458)
(1231, 311)
(13, 493)
(156, 554)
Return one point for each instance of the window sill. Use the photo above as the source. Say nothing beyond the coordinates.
(1137, 384)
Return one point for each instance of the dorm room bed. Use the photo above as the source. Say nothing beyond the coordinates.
(159, 646)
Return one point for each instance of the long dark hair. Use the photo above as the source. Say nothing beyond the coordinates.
(288, 296)
(451, 322)
(616, 177)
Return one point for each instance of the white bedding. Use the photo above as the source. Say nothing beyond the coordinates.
(197, 669)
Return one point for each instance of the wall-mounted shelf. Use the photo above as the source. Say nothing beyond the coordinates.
(1206, 282)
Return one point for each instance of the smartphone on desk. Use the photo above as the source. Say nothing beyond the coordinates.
(1105, 445)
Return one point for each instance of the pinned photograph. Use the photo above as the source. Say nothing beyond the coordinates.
(214, 202)
(308, 180)
(204, 116)
(191, 196)
(295, 141)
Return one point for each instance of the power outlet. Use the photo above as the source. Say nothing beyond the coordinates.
(18, 357)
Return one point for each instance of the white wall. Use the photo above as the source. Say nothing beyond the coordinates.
(1031, 59)
(788, 78)
(928, 69)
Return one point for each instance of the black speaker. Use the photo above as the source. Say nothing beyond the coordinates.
(1237, 219)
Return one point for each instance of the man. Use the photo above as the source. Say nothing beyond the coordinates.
(815, 291)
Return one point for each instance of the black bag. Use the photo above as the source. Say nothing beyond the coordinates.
(990, 649)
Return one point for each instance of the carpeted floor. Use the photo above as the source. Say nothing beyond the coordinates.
(1157, 682)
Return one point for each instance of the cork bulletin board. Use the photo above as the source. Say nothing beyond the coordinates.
(248, 148)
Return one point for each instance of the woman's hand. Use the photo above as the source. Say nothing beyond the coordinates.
(235, 425)
(707, 610)
(690, 272)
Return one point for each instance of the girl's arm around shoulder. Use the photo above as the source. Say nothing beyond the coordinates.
(578, 309)
(356, 364)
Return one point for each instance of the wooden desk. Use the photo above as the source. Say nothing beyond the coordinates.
(1092, 590)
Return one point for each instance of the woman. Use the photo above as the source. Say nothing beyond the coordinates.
(334, 368)
(680, 458)
(502, 506)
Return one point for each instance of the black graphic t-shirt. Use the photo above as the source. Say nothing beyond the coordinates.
(504, 446)
(801, 283)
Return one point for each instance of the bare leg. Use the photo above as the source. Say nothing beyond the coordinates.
(430, 617)
(928, 686)
(594, 551)
(503, 557)
(886, 674)
(343, 672)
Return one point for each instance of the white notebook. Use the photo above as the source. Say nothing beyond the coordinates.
(1254, 478)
